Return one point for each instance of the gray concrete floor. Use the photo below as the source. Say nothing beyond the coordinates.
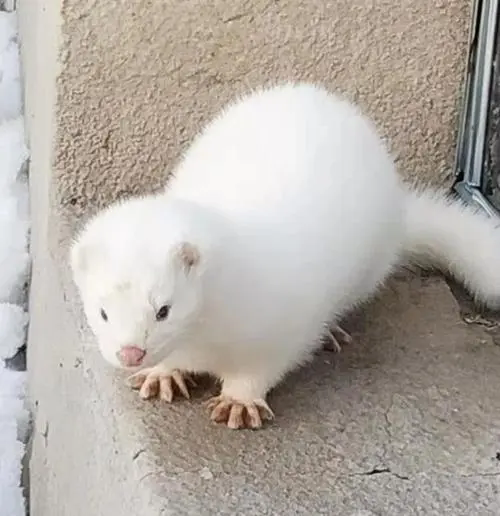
(405, 421)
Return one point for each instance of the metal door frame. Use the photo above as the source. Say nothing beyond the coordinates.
(470, 157)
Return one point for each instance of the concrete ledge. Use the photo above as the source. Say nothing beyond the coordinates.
(405, 418)
(404, 422)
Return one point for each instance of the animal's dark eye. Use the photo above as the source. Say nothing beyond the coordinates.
(104, 315)
(162, 313)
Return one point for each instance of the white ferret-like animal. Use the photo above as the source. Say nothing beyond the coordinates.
(284, 214)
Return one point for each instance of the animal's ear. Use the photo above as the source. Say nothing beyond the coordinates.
(189, 256)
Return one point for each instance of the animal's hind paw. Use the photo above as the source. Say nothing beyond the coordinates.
(335, 337)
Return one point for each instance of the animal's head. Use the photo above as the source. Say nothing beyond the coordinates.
(140, 279)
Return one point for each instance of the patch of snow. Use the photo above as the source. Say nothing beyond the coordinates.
(8, 30)
(14, 269)
(14, 225)
(13, 428)
(12, 148)
(10, 85)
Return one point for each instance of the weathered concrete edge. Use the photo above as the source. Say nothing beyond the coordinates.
(52, 322)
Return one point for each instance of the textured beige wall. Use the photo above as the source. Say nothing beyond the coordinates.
(140, 77)
(115, 90)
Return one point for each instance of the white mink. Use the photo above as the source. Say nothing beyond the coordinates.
(285, 213)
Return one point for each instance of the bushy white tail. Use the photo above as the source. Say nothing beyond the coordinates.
(444, 233)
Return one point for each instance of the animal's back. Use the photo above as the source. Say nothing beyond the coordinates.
(309, 184)
(283, 148)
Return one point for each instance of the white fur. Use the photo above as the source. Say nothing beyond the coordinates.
(445, 233)
(298, 214)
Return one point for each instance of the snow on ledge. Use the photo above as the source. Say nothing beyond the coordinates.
(14, 267)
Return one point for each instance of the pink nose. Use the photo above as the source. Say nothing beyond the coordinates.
(131, 356)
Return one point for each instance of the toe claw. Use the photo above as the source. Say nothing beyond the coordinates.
(253, 419)
(265, 411)
(212, 402)
(148, 390)
(335, 338)
(166, 391)
(136, 380)
(235, 419)
(181, 384)
(220, 411)
(332, 344)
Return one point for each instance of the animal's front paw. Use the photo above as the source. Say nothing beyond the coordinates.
(238, 414)
(156, 381)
